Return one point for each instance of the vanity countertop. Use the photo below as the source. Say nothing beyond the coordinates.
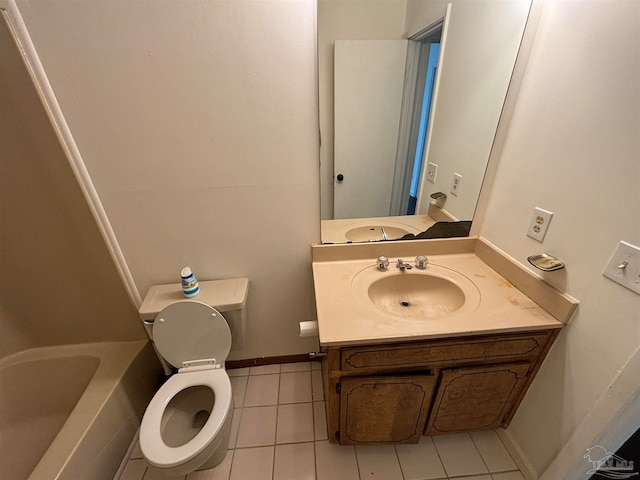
(345, 319)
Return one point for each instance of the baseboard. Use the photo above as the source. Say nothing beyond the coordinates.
(523, 463)
(254, 362)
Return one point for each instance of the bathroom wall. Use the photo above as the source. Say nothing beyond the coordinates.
(347, 20)
(573, 148)
(197, 121)
(58, 284)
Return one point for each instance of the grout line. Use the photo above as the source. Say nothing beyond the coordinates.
(480, 454)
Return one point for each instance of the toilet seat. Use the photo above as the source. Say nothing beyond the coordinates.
(155, 450)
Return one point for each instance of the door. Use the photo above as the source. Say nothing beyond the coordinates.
(476, 398)
(368, 84)
(384, 409)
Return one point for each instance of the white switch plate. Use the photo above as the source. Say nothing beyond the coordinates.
(627, 256)
(539, 224)
(455, 184)
(432, 172)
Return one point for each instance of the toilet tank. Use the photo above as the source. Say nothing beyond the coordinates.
(227, 296)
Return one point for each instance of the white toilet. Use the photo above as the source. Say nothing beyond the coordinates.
(187, 424)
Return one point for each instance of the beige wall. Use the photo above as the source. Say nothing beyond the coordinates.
(573, 148)
(347, 20)
(197, 121)
(58, 284)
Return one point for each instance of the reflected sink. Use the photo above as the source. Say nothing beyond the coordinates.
(373, 232)
(417, 294)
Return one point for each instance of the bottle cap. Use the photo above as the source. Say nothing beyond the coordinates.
(186, 272)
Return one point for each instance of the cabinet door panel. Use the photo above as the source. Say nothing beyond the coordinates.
(385, 409)
(476, 398)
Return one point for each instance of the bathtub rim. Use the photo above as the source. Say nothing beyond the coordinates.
(115, 360)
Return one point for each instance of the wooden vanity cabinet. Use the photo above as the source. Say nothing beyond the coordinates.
(393, 393)
(383, 409)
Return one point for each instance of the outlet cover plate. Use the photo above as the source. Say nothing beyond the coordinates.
(539, 224)
(455, 184)
(629, 276)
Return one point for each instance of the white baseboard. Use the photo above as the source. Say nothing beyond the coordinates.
(523, 463)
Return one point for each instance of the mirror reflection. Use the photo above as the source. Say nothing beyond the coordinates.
(410, 98)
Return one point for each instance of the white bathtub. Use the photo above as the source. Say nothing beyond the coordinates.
(70, 412)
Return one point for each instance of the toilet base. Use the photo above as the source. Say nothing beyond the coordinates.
(221, 450)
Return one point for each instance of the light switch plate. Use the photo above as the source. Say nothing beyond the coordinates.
(624, 267)
(432, 172)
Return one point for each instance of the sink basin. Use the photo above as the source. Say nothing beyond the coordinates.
(417, 294)
(373, 232)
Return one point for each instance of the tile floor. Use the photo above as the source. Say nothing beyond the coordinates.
(279, 433)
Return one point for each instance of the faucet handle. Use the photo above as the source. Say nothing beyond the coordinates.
(382, 263)
(421, 262)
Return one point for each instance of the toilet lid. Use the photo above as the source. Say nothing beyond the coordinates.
(191, 330)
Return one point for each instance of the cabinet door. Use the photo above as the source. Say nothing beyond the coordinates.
(476, 398)
(385, 409)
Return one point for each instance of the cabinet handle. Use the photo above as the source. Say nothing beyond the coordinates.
(338, 388)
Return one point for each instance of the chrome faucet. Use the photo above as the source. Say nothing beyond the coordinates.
(421, 262)
(402, 266)
(382, 263)
(384, 233)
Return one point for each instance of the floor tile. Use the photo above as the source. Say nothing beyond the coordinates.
(295, 423)
(235, 426)
(219, 472)
(238, 372)
(316, 385)
(378, 461)
(136, 452)
(295, 367)
(295, 461)
(252, 464)
(516, 475)
(257, 427)
(156, 474)
(336, 462)
(134, 470)
(493, 452)
(238, 389)
(420, 461)
(475, 477)
(261, 390)
(459, 455)
(265, 369)
(295, 387)
(319, 421)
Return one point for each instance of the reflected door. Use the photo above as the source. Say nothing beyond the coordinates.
(368, 83)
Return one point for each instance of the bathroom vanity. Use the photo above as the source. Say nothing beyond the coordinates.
(447, 349)
(393, 393)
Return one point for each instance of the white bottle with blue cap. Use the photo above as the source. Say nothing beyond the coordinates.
(190, 286)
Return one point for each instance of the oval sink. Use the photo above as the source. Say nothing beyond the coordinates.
(417, 294)
(422, 295)
(374, 232)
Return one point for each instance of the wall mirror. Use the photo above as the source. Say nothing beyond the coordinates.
(411, 93)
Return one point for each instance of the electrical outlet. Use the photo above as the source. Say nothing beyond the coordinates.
(432, 172)
(539, 224)
(455, 184)
(624, 266)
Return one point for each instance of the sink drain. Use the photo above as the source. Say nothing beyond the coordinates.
(404, 303)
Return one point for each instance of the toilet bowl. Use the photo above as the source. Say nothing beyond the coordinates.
(187, 424)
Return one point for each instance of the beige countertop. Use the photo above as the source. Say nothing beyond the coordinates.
(346, 318)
